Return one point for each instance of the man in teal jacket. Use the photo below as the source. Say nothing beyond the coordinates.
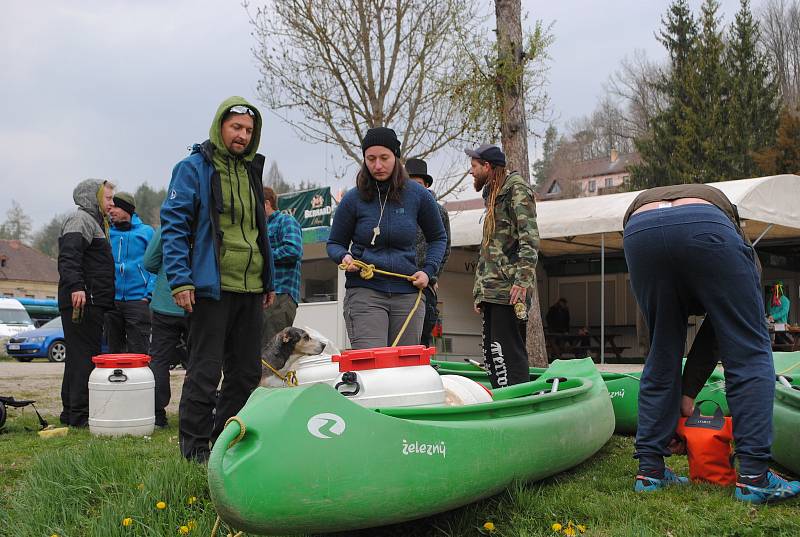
(219, 268)
(170, 332)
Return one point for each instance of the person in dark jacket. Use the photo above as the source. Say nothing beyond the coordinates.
(418, 171)
(85, 292)
(376, 223)
(128, 324)
(286, 241)
(686, 253)
(219, 268)
(170, 334)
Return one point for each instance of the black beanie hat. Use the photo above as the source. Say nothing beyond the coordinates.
(125, 201)
(382, 136)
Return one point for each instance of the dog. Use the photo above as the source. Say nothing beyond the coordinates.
(288, 346)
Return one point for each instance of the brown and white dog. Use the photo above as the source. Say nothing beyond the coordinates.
(288, 346)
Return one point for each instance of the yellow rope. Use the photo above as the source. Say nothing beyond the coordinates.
(290, 379)
(368, 270)
(242, 430)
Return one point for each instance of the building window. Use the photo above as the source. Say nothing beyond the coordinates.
(555, 188)
(609, 182)
(592, 185)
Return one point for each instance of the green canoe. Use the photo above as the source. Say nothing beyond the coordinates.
(310, 460)
(623, 388)
(786, 413)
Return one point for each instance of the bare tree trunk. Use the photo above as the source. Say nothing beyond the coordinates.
(514, 135)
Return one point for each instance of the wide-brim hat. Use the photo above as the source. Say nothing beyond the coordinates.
(416, 167)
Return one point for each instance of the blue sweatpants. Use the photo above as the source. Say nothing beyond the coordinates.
(689, 255)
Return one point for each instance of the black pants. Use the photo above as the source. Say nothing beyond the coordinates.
(168, 348)
(431, 316)
(83, 341)
(224, 337)
(128, 327)
(504, 351)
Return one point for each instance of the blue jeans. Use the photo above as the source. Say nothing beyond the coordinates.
(692, 255)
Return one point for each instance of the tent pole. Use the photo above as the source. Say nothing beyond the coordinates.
(602, 298)
(762, 235)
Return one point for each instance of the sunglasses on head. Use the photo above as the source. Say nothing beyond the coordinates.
(241, 109)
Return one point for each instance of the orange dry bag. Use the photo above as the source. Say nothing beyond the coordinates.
(708, 445)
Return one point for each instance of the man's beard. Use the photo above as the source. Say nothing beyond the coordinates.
(479, 182)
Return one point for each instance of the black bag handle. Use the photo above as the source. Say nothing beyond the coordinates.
(717, 421)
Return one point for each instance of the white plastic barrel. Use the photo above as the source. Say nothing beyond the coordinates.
(417, 385)
(121, 395)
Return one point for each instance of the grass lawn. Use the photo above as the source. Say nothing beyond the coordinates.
(80, 485)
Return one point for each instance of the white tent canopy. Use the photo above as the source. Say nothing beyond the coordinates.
(577, 225)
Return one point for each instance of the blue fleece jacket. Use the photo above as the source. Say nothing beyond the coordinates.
(131, 279)
(395, 247)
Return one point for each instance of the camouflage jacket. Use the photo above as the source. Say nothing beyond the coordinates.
(422, 244)
(509, 257)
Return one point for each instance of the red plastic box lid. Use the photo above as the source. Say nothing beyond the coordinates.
(121, 360)
(383, 357)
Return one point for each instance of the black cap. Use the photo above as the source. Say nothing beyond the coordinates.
(490, 153)
(416, 167)
(125, 201)
(382, 136)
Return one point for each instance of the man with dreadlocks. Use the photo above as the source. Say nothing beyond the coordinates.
(506, 268)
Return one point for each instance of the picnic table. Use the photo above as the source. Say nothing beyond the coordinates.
(793, 334)
(583, 345)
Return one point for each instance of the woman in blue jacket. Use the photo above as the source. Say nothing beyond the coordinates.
(376, 223)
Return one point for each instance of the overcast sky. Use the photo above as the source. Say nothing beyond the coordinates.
(120, 89)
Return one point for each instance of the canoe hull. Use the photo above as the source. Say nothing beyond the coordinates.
(786, 414)
(623, 389)
(313, 461)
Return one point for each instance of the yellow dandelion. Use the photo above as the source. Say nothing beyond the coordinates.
(183, 530)
(127, 521)
(569, 531)
(191, 500)
(161, 505)
(489, 526)
(140, 486)
(556, 526)
(581, 528)
(191, 525)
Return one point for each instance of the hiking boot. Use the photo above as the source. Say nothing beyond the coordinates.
(775, 489)
(650, 484)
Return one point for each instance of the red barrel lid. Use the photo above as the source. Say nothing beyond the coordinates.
(121, 360)
(383, 357)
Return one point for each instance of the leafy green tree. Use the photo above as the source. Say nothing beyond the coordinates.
(754, 100)
(784, 156)
(706, 116)
(17, 225)
(148, 204)
(46, 239)
(542, 167)
(666, 152)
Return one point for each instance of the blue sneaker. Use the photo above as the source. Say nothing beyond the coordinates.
(777, 489)
(650, 484)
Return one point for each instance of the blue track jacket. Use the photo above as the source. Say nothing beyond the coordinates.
(132, 281)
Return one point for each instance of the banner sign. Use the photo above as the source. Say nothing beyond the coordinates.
(311, 208)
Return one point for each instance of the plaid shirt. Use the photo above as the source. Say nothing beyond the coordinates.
(286, 241)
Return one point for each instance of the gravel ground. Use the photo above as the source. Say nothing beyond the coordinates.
(41, 381)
